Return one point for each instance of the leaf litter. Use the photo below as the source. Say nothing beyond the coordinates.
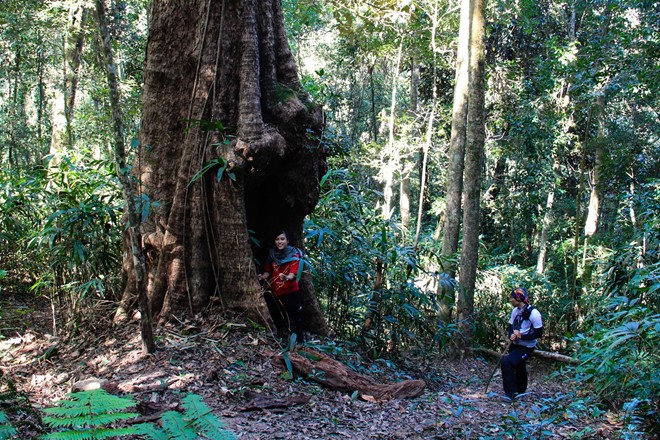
(237, 370)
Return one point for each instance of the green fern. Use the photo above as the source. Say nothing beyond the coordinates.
(6, 430)
(203, 419)
(87, 414)
(197, 420)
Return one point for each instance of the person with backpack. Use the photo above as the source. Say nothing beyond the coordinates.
(525, 328)
(282, 271)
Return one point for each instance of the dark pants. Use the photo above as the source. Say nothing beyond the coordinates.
(514, 370)
(286, 313)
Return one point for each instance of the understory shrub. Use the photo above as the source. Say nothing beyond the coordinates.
(61, 231)
(620, 351)
(373, 286)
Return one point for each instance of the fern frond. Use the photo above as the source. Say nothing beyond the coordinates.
(96, 434)
(149, 430)
(87, 415)
(178, 426)
(6, 430)
(203, 418)
(86, 420)
(94, 402)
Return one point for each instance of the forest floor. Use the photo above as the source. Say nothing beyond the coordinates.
(237, 370)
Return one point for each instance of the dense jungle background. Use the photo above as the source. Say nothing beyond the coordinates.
(568, 205)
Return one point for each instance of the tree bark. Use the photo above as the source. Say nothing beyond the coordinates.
(406, 169)
(474, 156)
(221, 91)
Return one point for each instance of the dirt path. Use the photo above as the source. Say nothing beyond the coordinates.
(227, 364)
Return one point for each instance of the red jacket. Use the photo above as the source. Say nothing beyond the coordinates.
(282, 287)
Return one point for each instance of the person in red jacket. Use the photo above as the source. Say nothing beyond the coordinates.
(282, 271)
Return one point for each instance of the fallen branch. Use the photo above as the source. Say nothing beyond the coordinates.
(539, 353)
(333, 374)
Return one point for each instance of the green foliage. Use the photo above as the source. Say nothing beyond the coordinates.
(17, 410)
(220, 164)
(288, 374)
(402, 313)
(94, 414)
(535, 420)
(71, 228)
(87, 414)
(620, 354)
(6, 430)
(197, 420)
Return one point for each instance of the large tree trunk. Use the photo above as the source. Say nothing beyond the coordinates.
(474, 157)
(221, 90)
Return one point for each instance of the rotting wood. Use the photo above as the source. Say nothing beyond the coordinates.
(328, 372)
(538, 353)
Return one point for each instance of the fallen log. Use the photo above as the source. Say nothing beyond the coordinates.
(539, 353)
(328, 372)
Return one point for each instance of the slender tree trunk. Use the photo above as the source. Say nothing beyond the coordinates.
(41, 102)
(474, 157)
(426, 147)
(404, 198)
(456, 155)
(563, 100)
(391, 156)
(64, 93)
(406, 169)
(73, 47)
(547, 219)
(591, 224)
(374, 114)
(578, 214)
(132, 215)
(13, 88)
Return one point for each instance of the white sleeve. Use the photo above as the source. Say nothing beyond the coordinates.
(535, 319)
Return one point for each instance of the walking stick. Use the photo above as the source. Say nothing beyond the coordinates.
(499, 361)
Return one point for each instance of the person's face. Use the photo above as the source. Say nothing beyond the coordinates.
(514, 302)
(281, 242)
